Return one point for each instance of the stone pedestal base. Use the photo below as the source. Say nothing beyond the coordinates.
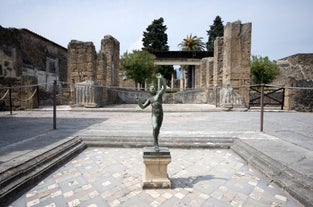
(156, 168)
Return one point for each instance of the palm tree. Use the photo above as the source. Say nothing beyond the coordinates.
(192, 43)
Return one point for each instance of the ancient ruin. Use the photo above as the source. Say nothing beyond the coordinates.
(27, 59)
(229, 69)
(297, 71)
(222, 80)
(92, 79)
(89, 73)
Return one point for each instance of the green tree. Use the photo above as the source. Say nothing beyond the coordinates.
(138, 65)
(155, 39)
(216, 30)
(192, 43)
(263, 70)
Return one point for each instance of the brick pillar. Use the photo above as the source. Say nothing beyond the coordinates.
(110, 47)
(81, 64)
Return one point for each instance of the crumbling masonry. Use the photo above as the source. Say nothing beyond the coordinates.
(222, 76)
(89, 72)
(229, 70)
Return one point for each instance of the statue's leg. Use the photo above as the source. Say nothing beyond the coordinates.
(156, 138)
(156, 130)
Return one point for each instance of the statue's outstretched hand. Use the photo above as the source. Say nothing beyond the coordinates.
(158, 75)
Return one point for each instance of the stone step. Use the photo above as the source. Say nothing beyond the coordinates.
(16, 179)
(143, 141)
(299, 185)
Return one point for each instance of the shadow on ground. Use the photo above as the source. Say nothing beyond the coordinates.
(189, 182)
(31, 133)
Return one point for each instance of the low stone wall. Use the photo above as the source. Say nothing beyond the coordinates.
(22, 97)
(296, 72)
(198, 96)
(297, 98)
(128, 96)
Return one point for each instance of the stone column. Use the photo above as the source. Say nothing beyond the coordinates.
(182, 78)
(192, 77)
(110, 47)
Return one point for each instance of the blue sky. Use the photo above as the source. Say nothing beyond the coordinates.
(279, 27)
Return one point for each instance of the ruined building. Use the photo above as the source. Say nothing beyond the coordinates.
(222, 78)
(92, 78)
(90, 73)
(228, 71)
(297, 76)
(27, 58)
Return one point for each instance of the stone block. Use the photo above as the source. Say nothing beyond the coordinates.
(155, 175)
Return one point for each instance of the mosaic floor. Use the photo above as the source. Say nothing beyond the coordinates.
(112, 177)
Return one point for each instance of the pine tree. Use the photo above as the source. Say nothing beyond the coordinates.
(216, 30)
(155, 39)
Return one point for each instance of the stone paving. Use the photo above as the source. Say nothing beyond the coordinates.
(287, 140)
(112, 177)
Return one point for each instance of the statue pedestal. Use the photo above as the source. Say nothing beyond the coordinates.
(156, 168)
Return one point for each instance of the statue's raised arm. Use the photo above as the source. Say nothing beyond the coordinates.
(163, 83)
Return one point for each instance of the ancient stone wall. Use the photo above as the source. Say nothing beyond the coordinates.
(7, 65)
(196, 83)
(110, 47)
(298, 66)
(81, 61)
(218, 62)
(32, 51)
(297, 72)
(128, 96)
(101, 75)
(236, 57)
(206, 72)
(25, 55)
(299, 95)
(90, 73)
(197, 96)
(41, 54)
(124, 82)
(22, 97)
(229, 70)
(10, 51)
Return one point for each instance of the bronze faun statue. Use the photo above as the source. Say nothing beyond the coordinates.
(157, 111)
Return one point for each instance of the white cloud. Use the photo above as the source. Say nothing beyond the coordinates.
(136, 45)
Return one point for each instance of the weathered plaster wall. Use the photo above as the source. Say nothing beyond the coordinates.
(296, 74)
